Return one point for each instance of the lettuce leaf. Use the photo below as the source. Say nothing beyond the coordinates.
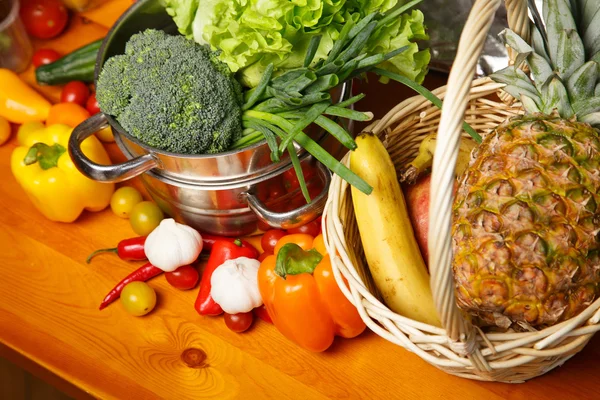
(250, 34)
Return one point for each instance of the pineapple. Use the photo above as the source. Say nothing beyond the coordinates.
(526, 214)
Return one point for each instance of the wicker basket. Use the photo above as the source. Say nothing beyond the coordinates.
(458, 348)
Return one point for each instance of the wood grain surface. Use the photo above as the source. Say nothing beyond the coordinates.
(51, 326)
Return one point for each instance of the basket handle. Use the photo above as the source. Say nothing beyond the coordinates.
(440, 210)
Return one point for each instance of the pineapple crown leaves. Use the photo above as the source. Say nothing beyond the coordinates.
(563, 58)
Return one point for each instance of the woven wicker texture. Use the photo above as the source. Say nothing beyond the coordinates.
(458, 348)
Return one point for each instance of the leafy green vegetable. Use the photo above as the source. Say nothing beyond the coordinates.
(252, 34)
(172, 94)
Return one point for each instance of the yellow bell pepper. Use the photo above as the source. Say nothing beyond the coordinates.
(19, 102)
(43, 168)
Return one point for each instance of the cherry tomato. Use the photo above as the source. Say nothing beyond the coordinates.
(301, 239)
(313, 228)
(264, 255)
(263, 226)
(290, 180)
(44, 56)
(270, 239)
(75, 92)
(262, 313)
(92, 104)
(183, 278)
(123, 200)
(239, 322)
(276, 189)
(44, 19)
(5, 130)
(67, 113)
(138, 298)
(144, 217)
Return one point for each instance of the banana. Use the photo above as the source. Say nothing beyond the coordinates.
(424, 158)
(387, 236)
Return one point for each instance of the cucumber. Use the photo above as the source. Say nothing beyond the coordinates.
(76, 66)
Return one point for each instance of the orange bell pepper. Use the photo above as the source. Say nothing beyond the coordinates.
(303, 299)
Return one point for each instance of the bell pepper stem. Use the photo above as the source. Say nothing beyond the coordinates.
(100, 251)
(292, 260)
(47, 156)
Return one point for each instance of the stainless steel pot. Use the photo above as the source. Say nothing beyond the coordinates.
(218, 194)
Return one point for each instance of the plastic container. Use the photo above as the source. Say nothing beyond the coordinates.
(15, 47)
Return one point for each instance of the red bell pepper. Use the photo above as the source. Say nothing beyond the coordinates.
(222, 250)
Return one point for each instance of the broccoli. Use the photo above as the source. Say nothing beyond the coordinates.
(172, 94)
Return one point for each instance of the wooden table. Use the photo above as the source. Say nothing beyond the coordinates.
(50, 324)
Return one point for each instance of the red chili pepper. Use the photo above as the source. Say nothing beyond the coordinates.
(262, 313)
(133, 249)
(222, 250)
(208, 241)
(127, 249)
(143, 273)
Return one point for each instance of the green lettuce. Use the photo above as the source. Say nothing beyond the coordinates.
(251, 34)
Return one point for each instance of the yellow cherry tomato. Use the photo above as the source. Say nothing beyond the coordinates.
(138, 298)
(123, 200)
(144, 217)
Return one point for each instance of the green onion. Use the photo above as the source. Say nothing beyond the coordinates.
(269, 137)
(351, 100)
(427, 94)
(337, 111)
(260, 89)
(308, 118)
(315, 149)
(313, 46)
(299, 173)
(340, 42)
(336, 131)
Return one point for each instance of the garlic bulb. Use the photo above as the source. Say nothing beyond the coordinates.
(234, 285)
(172, 245)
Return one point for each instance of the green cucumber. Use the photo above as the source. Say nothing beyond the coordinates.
(76, 66)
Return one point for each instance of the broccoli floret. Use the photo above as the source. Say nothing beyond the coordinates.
(172, 94)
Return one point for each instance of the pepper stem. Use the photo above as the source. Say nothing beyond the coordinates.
(46, 155)
(95, 253)
(292, 260)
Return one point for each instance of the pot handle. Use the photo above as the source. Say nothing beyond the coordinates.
(104, 173)
(294, 218)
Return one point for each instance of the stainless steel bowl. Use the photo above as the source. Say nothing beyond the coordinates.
(217, 193)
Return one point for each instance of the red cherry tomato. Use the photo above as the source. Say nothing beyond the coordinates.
(262, 313)
(263, 226)
(183, 278)
(264, 255)
(313, 228)
(238, 322)
(92, 104)
(290, 180)
(276, 189)
(75, 92)
(270, 239)
(44, 19)
(44, 56)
